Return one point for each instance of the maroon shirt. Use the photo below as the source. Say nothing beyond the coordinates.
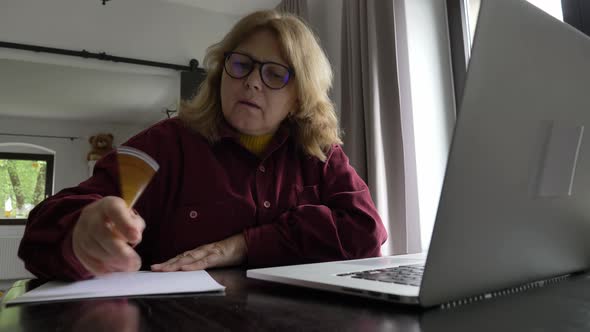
(291, 208)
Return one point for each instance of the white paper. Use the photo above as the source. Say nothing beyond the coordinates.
(123, 284)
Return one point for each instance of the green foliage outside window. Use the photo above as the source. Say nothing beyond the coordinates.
(22, 186)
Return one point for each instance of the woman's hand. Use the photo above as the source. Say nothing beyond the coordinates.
(228, 252)
(105, 234)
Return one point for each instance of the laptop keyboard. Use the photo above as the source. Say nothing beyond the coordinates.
(403, 275)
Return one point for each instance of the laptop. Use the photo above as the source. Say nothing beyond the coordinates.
(514, 210)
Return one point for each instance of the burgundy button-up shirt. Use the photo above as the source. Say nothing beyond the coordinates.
(290, 207)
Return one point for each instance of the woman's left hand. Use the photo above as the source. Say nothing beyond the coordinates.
(228, 252)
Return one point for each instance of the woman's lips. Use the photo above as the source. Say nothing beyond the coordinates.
(249, 103)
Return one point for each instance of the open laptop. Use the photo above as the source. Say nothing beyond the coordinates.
(514, 210)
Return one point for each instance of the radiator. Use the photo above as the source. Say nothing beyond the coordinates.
(11, 267)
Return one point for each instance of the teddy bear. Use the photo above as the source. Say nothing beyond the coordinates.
(100, 145)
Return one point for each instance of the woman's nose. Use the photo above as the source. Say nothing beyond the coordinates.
(253, 80)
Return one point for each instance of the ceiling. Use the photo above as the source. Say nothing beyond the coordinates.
(232, 7)
(57, 91)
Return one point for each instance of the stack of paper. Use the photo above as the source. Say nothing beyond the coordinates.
(123, 284)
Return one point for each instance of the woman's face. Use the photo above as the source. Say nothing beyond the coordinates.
(251, 107)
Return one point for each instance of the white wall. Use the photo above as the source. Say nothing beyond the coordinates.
(432, 100)
(325, 18)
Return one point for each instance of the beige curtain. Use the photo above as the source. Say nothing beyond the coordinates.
(372, 120)
(297, 7)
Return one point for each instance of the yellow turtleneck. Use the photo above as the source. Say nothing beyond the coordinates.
(256, 144)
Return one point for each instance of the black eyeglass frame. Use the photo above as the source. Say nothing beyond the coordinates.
(260, 65)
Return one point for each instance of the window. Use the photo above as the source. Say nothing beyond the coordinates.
(25, 180)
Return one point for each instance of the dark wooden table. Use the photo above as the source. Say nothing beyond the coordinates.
(252, 305)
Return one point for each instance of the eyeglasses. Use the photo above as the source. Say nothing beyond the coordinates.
(274, 75)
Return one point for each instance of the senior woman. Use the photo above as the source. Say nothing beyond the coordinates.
(251, 173)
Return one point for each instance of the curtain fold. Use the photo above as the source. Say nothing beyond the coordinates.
(297, 7)
(371, 115)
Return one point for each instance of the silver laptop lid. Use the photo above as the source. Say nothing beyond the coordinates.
(515, 205)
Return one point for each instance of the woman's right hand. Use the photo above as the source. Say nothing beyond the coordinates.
(105, 234)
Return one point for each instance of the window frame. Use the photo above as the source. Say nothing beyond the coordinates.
(49, 159)
(577, 14)
(458, 25)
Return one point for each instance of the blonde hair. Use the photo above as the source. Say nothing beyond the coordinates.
(315, 122)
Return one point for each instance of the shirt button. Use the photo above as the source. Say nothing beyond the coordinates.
(193, 214)
(266, 204)
(261, 168)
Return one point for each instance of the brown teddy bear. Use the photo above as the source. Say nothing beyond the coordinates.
(100, 144)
